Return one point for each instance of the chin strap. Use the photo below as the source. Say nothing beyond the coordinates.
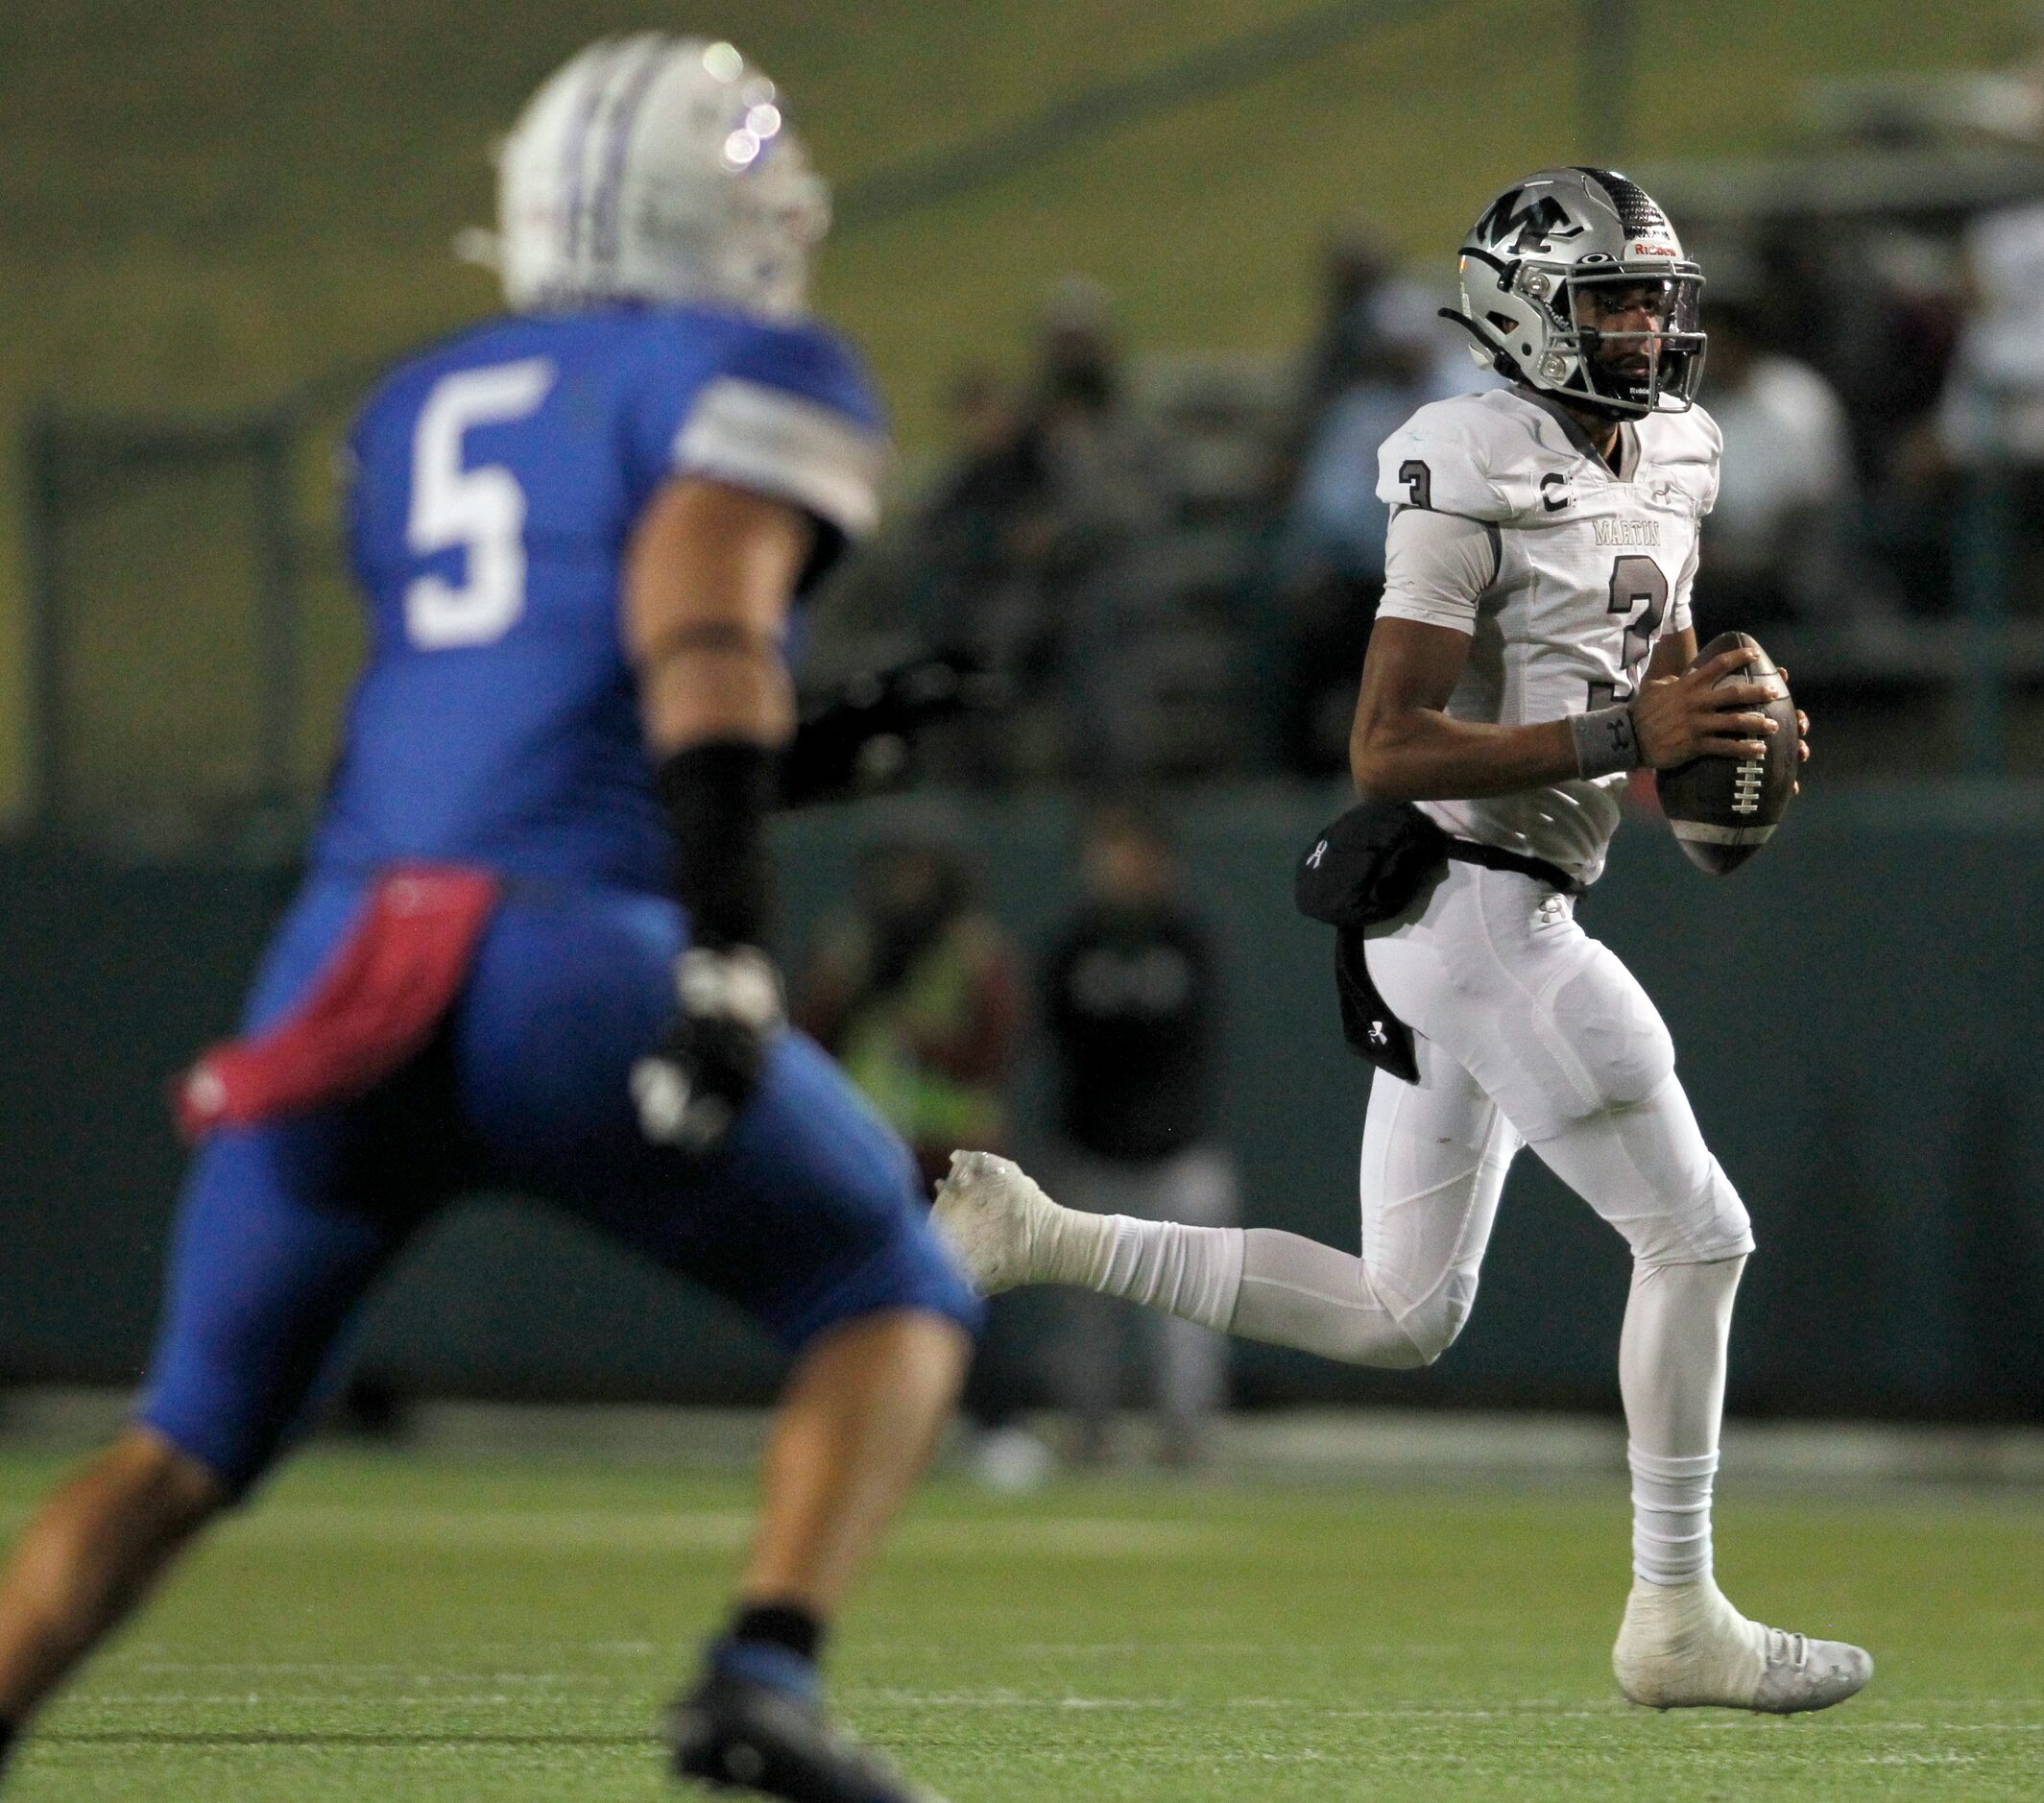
(1502, 362)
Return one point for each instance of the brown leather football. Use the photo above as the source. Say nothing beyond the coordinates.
(1723, 810)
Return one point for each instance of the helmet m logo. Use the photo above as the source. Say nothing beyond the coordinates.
(1538, 222)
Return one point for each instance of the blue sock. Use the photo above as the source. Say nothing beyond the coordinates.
(759, 1662)
(774, 1644)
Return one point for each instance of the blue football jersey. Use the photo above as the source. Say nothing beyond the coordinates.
(497, 480)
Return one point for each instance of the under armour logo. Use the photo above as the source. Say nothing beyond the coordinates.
(1378, 1035)
(1314, 857)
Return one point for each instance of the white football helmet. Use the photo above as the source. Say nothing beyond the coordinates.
(656, 169)
(1528, 268)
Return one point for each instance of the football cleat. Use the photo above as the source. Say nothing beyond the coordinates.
(1002, 1228)
(736, 1734)
(1685, 1647)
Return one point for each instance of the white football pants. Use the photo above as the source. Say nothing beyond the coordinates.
(1531, 1033)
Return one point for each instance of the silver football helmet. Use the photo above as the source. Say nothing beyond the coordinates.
(1575, 283)
(658, 169)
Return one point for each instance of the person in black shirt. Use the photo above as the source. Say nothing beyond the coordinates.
(1132, 1003)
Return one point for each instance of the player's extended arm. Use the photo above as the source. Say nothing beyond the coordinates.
(708, 577)
(1403, 747)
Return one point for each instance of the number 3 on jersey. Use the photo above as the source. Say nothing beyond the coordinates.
(482, 510)
(1636, 582)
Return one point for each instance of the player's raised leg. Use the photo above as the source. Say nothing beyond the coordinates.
(1434, 1155)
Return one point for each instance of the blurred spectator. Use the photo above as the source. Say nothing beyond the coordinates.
(1396, 355)
(916, 993)
(1131, 998)
(1873, 312)
(1100, 502)
(1356, 265)
(992, 475)
(1992, 410)
(1990, 419)
(1033, 547)
(1777, 541)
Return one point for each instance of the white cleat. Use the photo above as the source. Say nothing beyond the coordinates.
(997, 1223)
(1685, 1647)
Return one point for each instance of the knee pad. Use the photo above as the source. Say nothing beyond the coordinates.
(1707, 1224)
(1435, 1325)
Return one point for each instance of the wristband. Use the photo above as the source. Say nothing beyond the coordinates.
(1606, 741)
(716, 796)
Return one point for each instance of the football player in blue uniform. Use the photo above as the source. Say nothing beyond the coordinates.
(527, 954)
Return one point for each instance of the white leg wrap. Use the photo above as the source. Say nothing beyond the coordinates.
(1192, 1272)
(1670, 1516)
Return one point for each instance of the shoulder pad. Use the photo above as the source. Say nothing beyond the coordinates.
(1478, 455)
(808, 361)
(788, 411)
(1684, 447)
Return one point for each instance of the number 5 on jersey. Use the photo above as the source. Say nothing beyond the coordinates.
(1636, 582)
(481, 510)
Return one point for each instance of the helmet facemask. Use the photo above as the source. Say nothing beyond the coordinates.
(1634, 368)
(779, 211)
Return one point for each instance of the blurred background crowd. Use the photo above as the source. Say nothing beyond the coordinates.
(1176, 559)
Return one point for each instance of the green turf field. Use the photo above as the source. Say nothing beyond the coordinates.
(401, 1630)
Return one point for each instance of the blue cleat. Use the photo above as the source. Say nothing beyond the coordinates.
(734, 1732)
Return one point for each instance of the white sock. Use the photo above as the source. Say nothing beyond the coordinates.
(1670, 1516)
(1672, 1360)
(1192, 1272)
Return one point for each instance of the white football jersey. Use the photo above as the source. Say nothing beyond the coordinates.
(1586, 569)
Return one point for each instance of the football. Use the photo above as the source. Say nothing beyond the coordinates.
(1723, 810)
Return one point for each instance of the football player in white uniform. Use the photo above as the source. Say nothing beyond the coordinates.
(1531, 648)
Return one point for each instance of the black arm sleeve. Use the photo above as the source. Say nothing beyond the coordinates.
(716, 796)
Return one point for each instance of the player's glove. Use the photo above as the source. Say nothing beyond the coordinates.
(862, 736)
(709, 1060)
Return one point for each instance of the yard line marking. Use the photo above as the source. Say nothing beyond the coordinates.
(1545, 1709)
(1071, 1536)
(567, 1530)
(717, 1530)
